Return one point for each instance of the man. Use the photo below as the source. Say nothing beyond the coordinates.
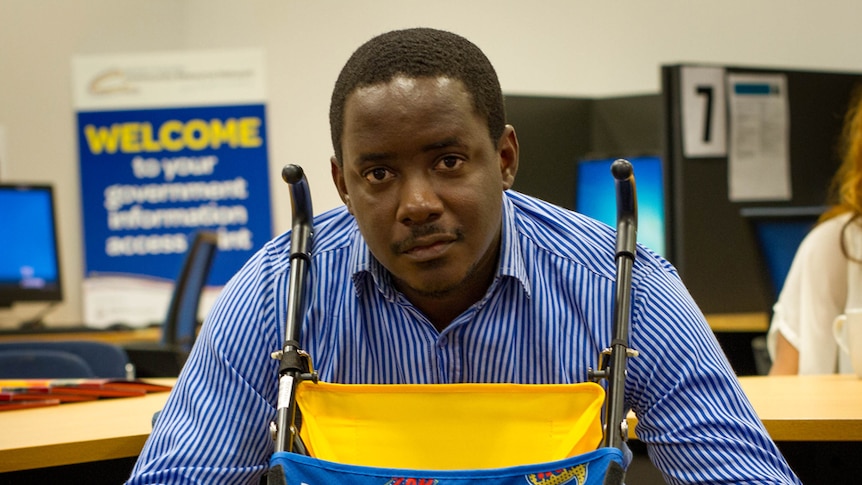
(435, 272)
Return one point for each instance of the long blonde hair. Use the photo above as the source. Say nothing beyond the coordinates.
(846, 187)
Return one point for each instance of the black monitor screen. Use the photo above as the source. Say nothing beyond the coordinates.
(29, 262)
(595, 196)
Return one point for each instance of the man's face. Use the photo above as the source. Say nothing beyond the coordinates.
(424, 180)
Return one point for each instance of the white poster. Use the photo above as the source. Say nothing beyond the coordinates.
(758, 162)
(169, 144)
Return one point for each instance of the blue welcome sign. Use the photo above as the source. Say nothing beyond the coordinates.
(187, 158)
(151, 178)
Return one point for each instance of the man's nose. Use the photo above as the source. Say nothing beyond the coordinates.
(419, 201)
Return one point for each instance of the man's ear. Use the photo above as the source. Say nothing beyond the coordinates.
(507, 148)
(338, 180)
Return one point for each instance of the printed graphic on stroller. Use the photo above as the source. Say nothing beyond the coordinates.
(327, 433)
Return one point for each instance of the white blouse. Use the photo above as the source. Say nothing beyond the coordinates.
(821, 284)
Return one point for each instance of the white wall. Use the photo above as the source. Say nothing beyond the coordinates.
(543, 47)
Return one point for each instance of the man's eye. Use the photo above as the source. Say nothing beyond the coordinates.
(450, 163)
(376, 175)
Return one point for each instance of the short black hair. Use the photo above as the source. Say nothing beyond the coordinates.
(415, 53)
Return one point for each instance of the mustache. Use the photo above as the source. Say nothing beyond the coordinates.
(418, 232)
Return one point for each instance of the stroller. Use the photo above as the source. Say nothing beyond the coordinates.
(499, 433)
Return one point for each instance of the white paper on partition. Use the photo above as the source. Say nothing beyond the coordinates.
(759, 159)
(136, 301)
(703, 112)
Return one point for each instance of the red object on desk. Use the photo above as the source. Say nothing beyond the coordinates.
(28, 403)
(23, 393)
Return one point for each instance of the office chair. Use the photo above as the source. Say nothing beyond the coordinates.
(42, 364)
(100, 359)
(179, 330)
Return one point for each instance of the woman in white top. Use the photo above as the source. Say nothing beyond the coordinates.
(825, 279)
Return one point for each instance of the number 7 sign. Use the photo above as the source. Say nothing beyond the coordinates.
(704, 109)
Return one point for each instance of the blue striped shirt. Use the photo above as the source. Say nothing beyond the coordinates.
(545, 318)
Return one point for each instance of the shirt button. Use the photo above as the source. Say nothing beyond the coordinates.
(442, 341)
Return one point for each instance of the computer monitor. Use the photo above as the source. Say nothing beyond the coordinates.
(595, 196)
(29, 259)
(779, 231)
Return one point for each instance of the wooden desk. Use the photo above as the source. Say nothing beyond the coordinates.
(807, 408)
(738, 322)
(119, 337)
(77, 432)
(803, 408)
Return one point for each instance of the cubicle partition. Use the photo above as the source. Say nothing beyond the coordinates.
(710, 235)
(714, 244)
(709, 238)
(555, 132)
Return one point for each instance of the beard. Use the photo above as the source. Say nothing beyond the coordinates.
(432, 289)
(441, 290)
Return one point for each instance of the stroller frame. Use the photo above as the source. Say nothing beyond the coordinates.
(296, 365)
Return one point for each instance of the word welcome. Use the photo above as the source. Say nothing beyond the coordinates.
(174, 135)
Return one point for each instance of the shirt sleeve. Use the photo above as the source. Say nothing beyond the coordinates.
(814, 294)
(214, 428)
(696, 421)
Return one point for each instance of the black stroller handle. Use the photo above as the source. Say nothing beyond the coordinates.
(300, 246)
(627, 207)
(295, 364)
(627, 220)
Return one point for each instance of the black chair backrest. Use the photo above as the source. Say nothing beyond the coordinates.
(179, 330)
(180, 327)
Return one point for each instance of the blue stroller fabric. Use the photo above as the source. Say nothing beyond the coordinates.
(585, 469)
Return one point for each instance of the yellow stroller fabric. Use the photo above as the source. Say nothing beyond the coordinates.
(449, 426)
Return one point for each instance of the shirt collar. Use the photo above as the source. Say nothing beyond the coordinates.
(363, 264)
